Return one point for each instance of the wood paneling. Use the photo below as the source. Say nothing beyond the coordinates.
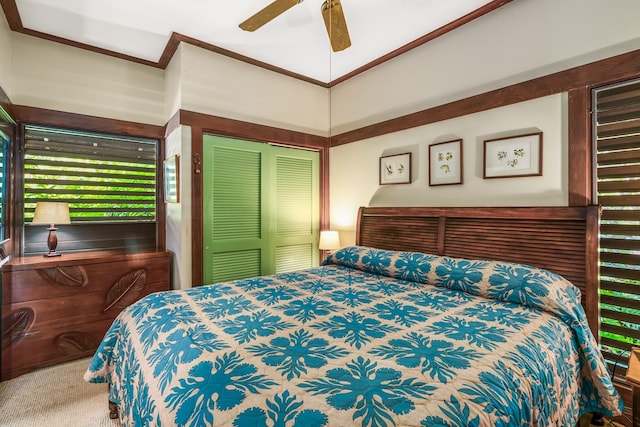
(134, 237)
(197, 225)
(580, 147)
(62, 119)
(251, 131)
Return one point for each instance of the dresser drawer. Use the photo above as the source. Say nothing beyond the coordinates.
(52, 345)
(70, 310)
(77, 279)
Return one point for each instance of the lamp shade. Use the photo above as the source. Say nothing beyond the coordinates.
(329, 240)
(51, 213)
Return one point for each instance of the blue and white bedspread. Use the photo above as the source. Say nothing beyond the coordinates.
(372, 338)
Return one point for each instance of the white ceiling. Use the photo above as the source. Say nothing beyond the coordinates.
(295, 41)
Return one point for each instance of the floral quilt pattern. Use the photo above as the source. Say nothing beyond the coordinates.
(371, 338)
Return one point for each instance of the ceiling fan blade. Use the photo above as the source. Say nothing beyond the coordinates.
(268, 13)
(336, 25)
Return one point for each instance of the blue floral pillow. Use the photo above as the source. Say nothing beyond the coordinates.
(505, 281)
(411, 266)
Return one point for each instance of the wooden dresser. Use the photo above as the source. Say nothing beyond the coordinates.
(58, 309)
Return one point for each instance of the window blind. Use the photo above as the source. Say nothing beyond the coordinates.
(104, 178)
(617, 154)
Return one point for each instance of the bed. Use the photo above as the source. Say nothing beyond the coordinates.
(401, 329)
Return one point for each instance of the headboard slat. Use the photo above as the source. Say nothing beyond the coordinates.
(559, 239)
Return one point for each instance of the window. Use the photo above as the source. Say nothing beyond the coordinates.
(617, 151)
(106, 179)
(4, 143)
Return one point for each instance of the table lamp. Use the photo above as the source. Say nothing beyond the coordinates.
(51, 213)
(329, 240)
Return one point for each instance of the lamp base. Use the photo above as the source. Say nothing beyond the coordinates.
(52, 242)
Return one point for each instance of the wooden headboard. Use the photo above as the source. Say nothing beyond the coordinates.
(560, 239)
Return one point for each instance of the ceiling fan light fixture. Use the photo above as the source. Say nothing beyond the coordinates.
(336, 24)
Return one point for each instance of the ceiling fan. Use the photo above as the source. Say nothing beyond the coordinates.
(331, 13)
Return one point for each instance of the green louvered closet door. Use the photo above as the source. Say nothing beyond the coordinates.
(261, 209)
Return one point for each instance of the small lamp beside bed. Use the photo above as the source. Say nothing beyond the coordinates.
(329, 241)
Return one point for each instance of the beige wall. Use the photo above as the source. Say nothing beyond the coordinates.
(355, 167)
(5, 55)
(54, 76)
(519, 41)
(59, 77)
(173, 85)
(222, 86)
(178, 215)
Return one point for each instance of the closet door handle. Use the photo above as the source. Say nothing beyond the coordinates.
(197, 161)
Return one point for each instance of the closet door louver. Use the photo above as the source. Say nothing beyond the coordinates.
(261, 209)
(296, 197)
(233, 224)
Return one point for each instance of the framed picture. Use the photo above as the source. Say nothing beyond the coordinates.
(513, 156)
(171, 180)
(395, 169)
(445, 163)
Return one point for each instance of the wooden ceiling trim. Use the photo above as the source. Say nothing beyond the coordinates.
(177, 38)
(15, 23)
(252, 131)
(490, 7)
(617, 68)
(10, 10)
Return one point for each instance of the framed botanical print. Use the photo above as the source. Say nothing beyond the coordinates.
(513, 156)
(445, 163)
(395, 169)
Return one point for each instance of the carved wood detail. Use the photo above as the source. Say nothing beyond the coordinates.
(126, 290)
(70, 275)
(63, 312)
(16, 325)
(75, 343)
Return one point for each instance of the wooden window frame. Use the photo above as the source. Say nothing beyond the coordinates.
(24, 114)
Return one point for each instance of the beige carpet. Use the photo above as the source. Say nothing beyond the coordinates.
(54, 396)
